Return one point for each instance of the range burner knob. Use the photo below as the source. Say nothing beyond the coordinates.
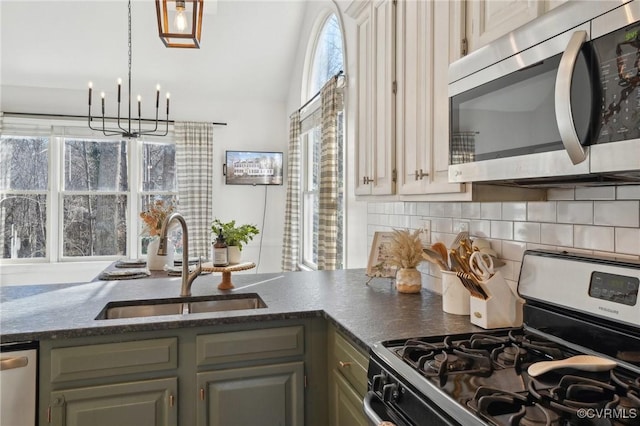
(390, 392)
(378, 381)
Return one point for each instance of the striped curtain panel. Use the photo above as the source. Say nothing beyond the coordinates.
(328, 186)
(291, 241)
(194, 163)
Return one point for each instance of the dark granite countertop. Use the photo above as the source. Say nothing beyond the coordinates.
(366, 312)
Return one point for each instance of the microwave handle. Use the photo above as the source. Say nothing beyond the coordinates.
(564, 116)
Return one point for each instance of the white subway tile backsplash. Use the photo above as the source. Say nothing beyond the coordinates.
(561, 194)
(604, 220)
(452, 209)
(560, 235)
(628, 192)
(410, 208)
(596, 193)
(513, 250)
(502, 229)
(593, 237)
(616, 213)
(437, 209)
(627, 240)
(471, 210)
(491, 211)
(526, 231)
(577, 212)
(541, 211)
(514, 211)
(442, 225)
(422, 209)
(480, 228)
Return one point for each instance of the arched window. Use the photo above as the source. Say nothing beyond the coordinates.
(326, 60)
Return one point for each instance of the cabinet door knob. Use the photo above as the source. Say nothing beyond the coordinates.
(344, 364)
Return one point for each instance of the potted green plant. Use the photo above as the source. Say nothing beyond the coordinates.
(234, 236)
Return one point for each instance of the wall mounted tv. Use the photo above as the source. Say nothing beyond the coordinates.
(253, 168)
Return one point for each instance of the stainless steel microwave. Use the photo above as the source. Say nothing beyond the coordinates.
(554, 102)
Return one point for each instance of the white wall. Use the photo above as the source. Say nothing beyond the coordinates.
(251, 125)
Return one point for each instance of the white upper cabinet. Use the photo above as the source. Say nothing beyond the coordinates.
(402, 102)
(374, 105)
(489, 19)
(424, 52)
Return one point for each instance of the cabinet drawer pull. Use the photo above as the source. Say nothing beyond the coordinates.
(201, 394)
(366, 180)
(344, 364)
(171, 399)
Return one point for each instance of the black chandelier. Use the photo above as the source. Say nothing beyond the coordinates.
(127, 130)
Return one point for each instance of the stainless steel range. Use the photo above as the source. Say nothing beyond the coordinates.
(576, 306)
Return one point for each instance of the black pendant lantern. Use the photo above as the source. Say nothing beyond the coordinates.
(180, 22)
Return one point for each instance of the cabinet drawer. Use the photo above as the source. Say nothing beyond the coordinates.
(249, 345)
(349, 361)
(113, 359)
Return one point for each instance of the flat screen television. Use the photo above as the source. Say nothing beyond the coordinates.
(253, 168)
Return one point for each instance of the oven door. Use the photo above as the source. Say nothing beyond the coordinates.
(528, 116)
(378, 413)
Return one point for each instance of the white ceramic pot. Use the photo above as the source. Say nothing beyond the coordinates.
(408, 280)
(234, 254)
(155, 262)
(455, 297)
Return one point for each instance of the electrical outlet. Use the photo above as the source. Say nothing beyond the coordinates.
(425, 233)
(461, 226)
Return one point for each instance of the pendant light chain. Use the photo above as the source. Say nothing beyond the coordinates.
(129, 63)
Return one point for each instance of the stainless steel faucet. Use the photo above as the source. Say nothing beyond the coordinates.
(187, 278)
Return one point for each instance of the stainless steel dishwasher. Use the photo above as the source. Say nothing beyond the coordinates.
(18, 383)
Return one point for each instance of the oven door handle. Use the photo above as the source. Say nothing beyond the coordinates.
(564, 115)
(369, 411)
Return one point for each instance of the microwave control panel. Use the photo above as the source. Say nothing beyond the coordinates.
(618, 58)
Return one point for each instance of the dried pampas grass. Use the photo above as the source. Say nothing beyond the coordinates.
(405, 249)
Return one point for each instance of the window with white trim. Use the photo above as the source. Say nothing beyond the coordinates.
(327, 61)
(65, 197)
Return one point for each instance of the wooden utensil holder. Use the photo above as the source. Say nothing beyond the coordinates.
(503, 308)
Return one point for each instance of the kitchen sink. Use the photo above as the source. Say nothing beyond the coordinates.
(180, 306)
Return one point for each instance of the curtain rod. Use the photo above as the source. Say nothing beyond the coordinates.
(84, 117)
(336, 76)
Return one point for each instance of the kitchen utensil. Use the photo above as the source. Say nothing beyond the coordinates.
(442, 250)
(461, 236)
(470, 283)
(434, 257)
(481, 264)
(578, 362)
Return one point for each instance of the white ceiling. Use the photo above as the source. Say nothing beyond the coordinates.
(247, 48)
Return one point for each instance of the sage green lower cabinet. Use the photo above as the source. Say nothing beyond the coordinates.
(261, 395)
(254, 373)
(347, 409)
(347, 370)
(144, 403)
